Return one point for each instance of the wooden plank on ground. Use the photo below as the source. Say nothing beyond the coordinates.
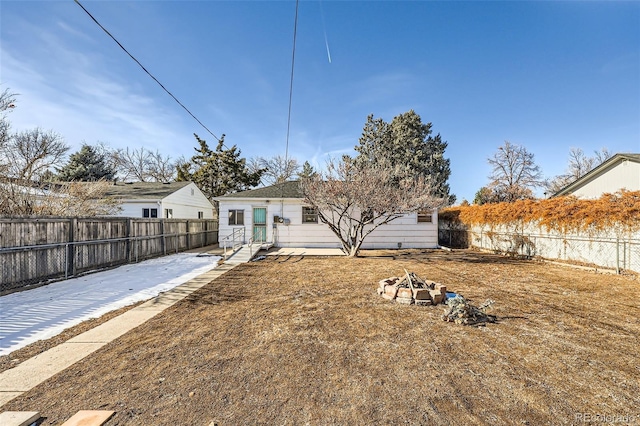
(89, 418)
(18, 418)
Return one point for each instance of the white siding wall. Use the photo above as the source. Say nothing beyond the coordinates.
(185, 205)
(187, 202)
(405, 230)
(625, 174)
(247, 206)
(135, 209)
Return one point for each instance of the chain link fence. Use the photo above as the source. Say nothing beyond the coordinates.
(621, 254)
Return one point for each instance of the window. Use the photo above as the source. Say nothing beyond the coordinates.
(150, 213)
(236, 217)
(309, 215)
(200, 215)
(168, 213)
(425, 217)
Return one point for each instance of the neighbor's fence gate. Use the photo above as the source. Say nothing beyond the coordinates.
(614, 253)
(37, 250)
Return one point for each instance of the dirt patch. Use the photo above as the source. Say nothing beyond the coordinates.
(310, 341)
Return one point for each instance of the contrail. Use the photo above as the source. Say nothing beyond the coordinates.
(324, 29)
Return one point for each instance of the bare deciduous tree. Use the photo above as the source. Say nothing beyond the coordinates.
(78, 199)
(133, 163)
(515, 173)
(277, 169)
(161, 168)
(27, 159)
(579, 165)
(355, 200)
(144, 165)
(57, 199)
(7, 102)
(31, 153)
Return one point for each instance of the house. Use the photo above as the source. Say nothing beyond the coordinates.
(622, 171)
(177, 200)
(277, 214)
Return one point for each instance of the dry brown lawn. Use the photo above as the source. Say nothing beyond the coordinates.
(308, 341)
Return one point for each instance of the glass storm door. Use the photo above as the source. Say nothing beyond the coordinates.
(260, 224)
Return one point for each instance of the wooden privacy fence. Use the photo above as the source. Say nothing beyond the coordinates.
(36, 250)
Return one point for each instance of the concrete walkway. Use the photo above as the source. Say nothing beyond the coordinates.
(36, 370)
(292, 251)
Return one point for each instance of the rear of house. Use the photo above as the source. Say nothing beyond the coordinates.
(622, 171)
(168, 200)
(277, 214)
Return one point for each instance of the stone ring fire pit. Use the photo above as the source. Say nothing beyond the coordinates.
(412, 289)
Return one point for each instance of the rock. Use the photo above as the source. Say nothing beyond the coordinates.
(421, 294)
(390, 292)
(405, 293)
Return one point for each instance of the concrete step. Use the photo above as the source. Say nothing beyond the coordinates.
(246, 253)
(89, 418)
(18, 418)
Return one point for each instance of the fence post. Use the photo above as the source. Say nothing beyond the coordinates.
(617, 255)
(71, 261)
(66, 261)
(164, 241)
(129, 245)
(188, 237)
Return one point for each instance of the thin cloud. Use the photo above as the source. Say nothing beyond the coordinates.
(74, 32)
(81, 103)
(386, 86)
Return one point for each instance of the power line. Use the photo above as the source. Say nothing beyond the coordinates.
(156, 80)
(293, 61)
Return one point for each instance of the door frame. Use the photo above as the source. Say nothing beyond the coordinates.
(262, 225)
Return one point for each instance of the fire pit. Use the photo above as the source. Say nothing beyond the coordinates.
(412, 289)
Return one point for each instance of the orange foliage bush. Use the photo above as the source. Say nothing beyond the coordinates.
(618, 212)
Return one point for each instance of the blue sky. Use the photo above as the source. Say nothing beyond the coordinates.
(545, 75)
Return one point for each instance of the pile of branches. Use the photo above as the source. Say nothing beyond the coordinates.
(460, 311)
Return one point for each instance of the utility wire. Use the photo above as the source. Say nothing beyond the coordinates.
(293, 61)
(156, 80)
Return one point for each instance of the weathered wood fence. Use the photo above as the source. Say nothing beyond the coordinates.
(36, 250)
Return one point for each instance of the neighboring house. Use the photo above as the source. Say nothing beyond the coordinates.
(170, 200)
(622, 171)
(277, 214)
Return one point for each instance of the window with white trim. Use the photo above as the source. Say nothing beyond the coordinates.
(236, 217)
(309, 215)
(168, 213)
(151, 213)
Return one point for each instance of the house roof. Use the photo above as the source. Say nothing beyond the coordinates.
(144, 190)
(598, 171)
(289, 189)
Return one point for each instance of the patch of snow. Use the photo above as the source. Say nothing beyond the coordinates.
(43, 312)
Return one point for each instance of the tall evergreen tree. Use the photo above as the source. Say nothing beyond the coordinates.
(218, 172)
(87, 165)
(410, 147)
